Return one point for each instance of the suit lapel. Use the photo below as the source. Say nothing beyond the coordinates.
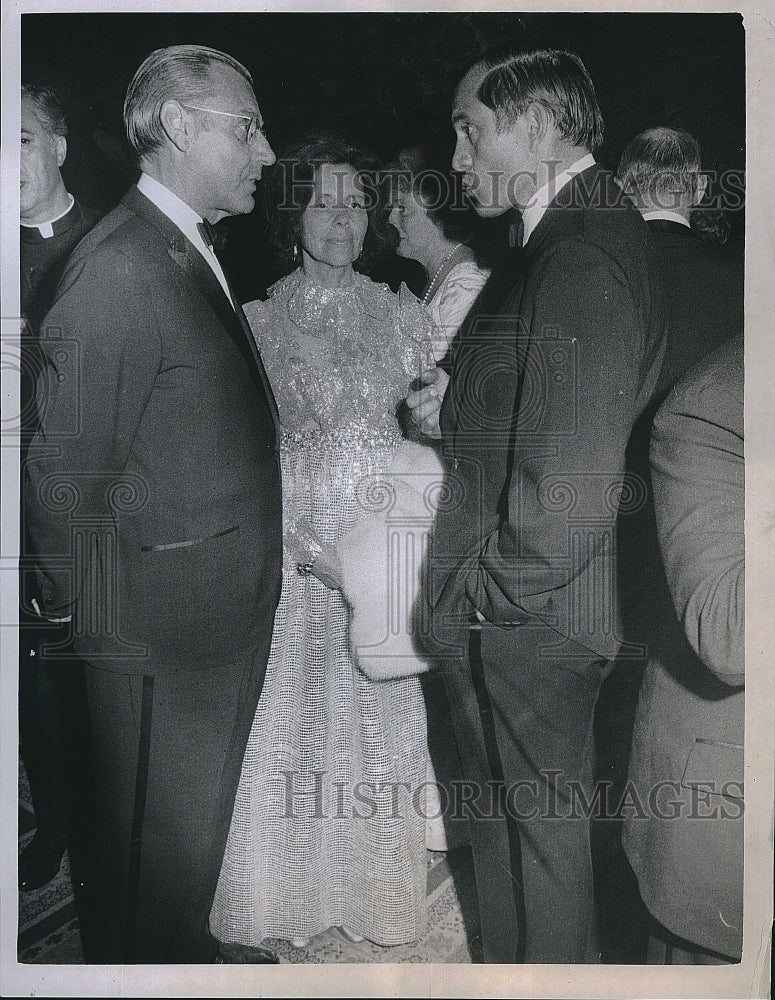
(491, 316)
(592, 187)
(499, 308)
(190, 260)
(186, 256)
(248, 333)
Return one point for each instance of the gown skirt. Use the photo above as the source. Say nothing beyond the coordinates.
(328, 826)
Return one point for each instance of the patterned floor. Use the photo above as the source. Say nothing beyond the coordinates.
(48, 920)
(49, 930)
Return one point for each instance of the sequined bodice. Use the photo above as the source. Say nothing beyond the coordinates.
(340, 359)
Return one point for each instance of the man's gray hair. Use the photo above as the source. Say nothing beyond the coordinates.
(178, 71)
(48, 106)
(658, 164)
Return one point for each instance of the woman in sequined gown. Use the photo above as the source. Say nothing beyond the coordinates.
(326, 829)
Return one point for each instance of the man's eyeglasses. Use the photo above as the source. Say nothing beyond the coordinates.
(252, 129)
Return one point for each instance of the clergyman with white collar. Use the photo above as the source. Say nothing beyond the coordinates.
(53, 732)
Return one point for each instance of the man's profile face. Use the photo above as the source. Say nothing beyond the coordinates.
(498, 168)
(42, 154)
(226, 168)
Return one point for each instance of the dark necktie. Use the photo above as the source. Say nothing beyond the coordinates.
(209, 234)
(517, 234)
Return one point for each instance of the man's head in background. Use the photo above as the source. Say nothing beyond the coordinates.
(42, 195)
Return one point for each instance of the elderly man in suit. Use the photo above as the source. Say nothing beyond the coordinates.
(154, 501)
(660, 169)
(686, 844)
(549, 374)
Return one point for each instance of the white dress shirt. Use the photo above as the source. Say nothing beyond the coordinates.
(661, 213)
(533, 212)
(186, 219)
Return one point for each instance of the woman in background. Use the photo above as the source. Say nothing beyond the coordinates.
(436, 225)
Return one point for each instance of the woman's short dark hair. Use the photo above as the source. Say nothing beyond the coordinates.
(440, 191)
(288, 187)
(512, 78)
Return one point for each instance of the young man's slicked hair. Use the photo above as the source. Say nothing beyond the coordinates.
(514, 78)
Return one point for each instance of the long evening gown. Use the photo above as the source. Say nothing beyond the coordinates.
(326, 828)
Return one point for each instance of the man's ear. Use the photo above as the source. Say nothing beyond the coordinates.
(61, 148)
(702, 187)
(538, 121)
(176, 124)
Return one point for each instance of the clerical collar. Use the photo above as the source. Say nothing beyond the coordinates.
(534, 211)
(662, 213)
(46, 229)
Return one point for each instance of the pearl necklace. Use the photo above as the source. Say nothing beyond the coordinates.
(431, 289)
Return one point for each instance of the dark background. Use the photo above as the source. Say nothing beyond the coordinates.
(386, 78)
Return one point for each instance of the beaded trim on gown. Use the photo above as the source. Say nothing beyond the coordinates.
(326, 828)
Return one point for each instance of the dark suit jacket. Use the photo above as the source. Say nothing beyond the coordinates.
(41, 263)
(547, 383)
(704, 295)
(687, 846)
(42, 259)
(153, 495)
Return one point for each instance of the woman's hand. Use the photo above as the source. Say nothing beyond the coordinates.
(425, 404)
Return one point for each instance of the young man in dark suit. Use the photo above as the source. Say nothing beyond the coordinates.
(546, 384)
(53, 730)
(154, 502)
